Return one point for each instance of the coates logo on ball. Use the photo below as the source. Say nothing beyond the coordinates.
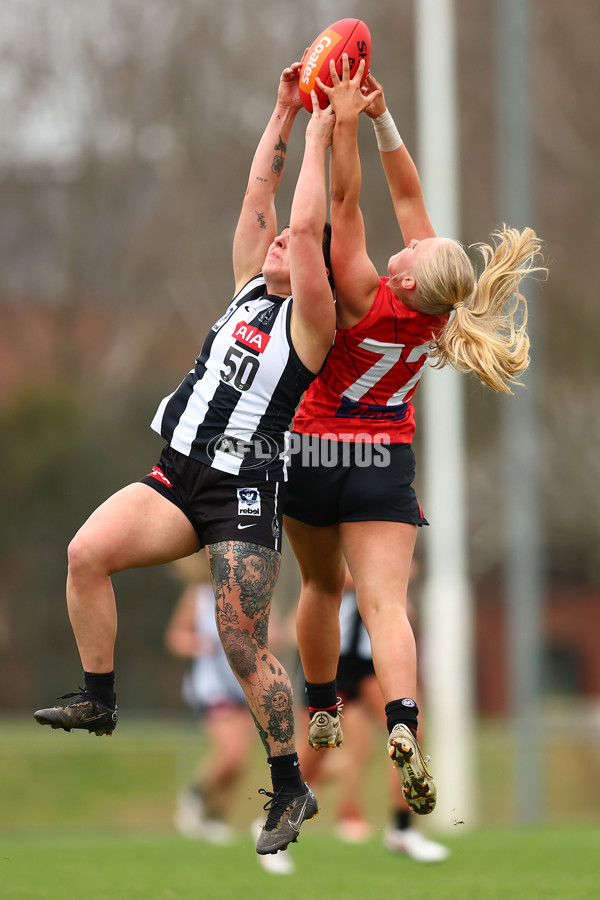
(349, 36)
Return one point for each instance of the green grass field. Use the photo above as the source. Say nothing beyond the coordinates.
(87, 817)
(492, 864)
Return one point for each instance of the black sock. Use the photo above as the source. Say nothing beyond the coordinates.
(101, 686)
(402, 712)
(401, 820)
(322, 696)
(285, 774)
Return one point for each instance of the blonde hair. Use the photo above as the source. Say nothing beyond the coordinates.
(488, 333)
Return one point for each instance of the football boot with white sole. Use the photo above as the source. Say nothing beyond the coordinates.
(418, 787)
(324, 729)
(414, 844)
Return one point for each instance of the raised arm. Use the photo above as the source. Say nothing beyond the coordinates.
(401, 173)
(355, 276)
(257, 225)
(313, 310)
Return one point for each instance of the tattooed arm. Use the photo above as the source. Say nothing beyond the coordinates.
(257, 225)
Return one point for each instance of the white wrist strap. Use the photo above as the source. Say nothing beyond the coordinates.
(386, 132)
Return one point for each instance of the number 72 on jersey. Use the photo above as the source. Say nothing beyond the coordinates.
(389, 356)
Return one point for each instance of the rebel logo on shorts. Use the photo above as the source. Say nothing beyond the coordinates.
(248, 501)
(159, 475)
(251, 337)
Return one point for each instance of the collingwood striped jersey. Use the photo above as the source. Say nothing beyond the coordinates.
(234, 409)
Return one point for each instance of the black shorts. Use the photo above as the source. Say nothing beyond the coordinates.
(351, 672)
(333, 481)
(220, 506)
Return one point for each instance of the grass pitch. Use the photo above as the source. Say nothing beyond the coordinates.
(86, 818)
(541, 864)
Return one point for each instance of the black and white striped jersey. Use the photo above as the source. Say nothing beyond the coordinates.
(234, 409)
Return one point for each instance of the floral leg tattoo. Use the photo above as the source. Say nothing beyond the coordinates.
(243, 576)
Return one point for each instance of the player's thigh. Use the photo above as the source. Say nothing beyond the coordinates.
(379, 556)
(318, 551)
(135, 527)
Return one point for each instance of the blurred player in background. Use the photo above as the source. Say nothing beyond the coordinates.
(364, 718)
(220, 480)
(358, 502)
(211, 689)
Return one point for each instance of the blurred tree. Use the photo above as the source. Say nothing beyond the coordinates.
(127, 132)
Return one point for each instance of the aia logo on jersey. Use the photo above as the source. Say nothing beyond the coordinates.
(251, 337)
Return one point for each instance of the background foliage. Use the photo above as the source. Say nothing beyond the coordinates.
(128, 129)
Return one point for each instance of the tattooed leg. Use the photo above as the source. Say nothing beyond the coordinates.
(243, 576)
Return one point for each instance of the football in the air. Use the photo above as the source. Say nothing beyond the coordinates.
(349, 36)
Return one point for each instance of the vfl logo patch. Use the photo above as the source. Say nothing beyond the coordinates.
(251, 337)
(159, 475)
(248, 501)
(228, 312)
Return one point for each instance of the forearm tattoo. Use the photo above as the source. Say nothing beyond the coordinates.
(279, 158)
(260, 217)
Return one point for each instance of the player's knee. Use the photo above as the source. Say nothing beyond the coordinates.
(83, 556)
(328, 591)
(326, 582)
(241, 651)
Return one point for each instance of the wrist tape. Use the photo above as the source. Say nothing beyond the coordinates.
(386, 132)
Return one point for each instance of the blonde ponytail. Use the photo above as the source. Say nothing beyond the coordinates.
(488, 332)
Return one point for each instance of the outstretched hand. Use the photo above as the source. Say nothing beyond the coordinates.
(370, 88)
(321, 121)
(288, 93)
(345, 95)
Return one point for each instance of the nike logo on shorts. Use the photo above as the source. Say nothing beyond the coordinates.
(251, 525)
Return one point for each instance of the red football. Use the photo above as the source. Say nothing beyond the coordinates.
(349, 36)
